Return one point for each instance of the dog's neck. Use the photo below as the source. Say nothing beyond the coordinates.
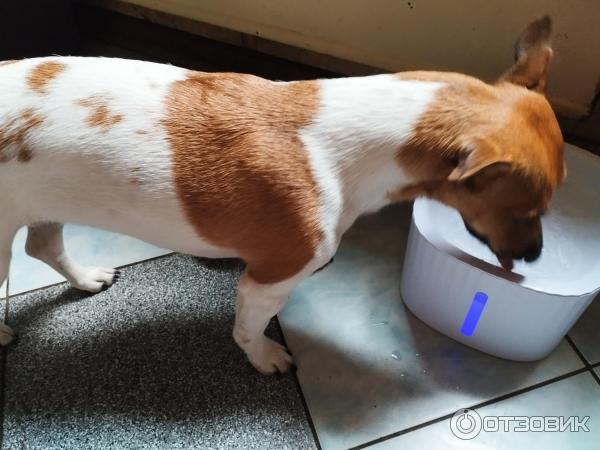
(361, 125)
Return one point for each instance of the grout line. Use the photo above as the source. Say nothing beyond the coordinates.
(583, 359)
(476, 406)
(402, 432)
(14, 296)
(311, 424)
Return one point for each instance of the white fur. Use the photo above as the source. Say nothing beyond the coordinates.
(82, 174)
(361, 125)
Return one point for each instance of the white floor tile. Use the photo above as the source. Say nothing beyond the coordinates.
(586, 332)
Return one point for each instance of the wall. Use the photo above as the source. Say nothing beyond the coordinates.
(470, 36)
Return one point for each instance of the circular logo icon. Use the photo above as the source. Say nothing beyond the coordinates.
(465, 424)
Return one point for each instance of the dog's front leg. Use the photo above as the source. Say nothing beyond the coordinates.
(256, 304)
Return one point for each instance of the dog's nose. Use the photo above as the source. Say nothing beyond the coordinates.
(533, 252)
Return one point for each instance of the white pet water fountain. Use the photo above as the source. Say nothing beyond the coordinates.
(454, 283)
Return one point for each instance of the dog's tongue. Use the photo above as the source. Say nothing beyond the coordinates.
(506, 263)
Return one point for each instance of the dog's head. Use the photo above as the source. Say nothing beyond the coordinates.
(501, 150)
(502, 207)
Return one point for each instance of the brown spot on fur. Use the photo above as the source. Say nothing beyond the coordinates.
(14, 134)
(241, 171)
(100, 115)
(142, 132)
(42, 74)
(24, 155)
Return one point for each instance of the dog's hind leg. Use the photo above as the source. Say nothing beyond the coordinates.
(45, 242)
(7, 234)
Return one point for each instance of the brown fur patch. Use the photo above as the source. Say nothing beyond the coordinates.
(14, 133)
(42, 74)
(100, 115)
(503, 122)
(241, 171)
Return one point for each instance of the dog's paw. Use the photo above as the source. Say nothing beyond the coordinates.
(7, 335)
(95, 279)
(271, 357)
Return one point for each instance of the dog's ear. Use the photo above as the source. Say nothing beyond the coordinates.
(481, 159)
(533, 55)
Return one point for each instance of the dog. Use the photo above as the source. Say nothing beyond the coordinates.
(233, 165)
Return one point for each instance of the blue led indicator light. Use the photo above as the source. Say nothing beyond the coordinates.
(474, 313)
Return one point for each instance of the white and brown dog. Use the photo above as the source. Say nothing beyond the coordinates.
(232, 165)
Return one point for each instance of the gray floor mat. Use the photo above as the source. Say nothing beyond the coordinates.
(150, 363)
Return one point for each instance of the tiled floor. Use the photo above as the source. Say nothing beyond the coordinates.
(586, 333)
(368, 368)
(577, 396)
